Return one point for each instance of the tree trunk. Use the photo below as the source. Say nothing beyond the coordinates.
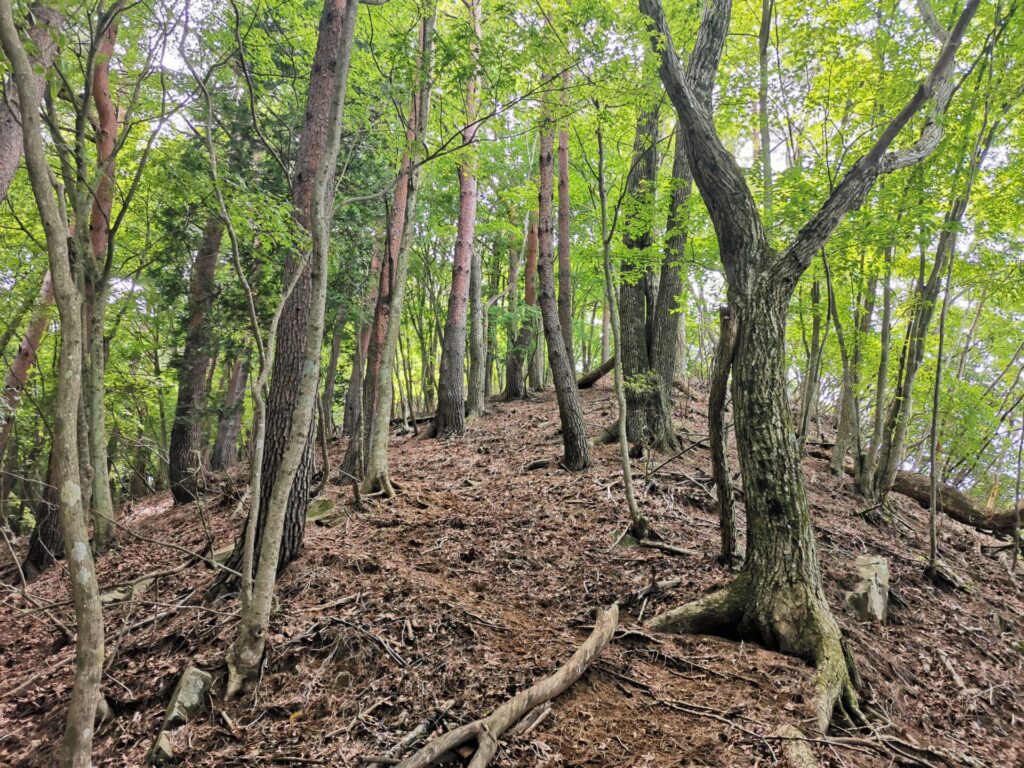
(97, 281)
(479, 338)
(649, 420)
(246, 652)
(331, 373)
(77, 744)
(530, 339)
(46, 24)
(291, 355)
(354, 395)
(515, 384)
(564, 213)
(376, 478)
(229, 426)
(185, 452)
(450, 418)
(809, 395)
(574, 436)
(719, 435)
(24, 360)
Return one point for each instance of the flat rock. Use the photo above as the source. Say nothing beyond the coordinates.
(161, 752)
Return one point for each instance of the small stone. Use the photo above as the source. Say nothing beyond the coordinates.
(187, 697)
(319, 509)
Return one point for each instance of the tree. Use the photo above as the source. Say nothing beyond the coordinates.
(76, 748)
(574, 436)
(778, 595)
(450, 418)
(186, 450)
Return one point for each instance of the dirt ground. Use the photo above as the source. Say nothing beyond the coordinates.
(481, 578)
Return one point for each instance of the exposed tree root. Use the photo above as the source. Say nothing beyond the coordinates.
(795, 621)
(486, 731)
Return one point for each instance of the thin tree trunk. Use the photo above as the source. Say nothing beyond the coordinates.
(478, 339)
(564, 213)
(574, 436)
(331, 373)
(719, 435)
(225, 447)
(450, 418)
(377, 478)
(529, 337)
(185, 453)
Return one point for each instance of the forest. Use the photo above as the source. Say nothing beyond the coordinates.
(511, 383)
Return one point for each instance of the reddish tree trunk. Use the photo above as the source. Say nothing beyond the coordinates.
(46, 23)
(24, 360)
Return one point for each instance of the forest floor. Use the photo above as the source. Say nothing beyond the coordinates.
(479, 579)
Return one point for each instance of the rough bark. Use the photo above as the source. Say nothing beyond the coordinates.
(77, 743)
(777, 597)
(291, 358)
(574, 436)
(225, 447)
(515, 384)
(719, 436)
(649, 421)
(450, 418)
(246, 652)
(185, 454)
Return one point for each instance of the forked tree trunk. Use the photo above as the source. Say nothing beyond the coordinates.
(649, 419)
(574, 436)
(290, 358)
(76, 748)
(450, 418)
(777, 597)
(185, 453)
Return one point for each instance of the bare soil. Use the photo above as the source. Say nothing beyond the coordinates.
(482, 577)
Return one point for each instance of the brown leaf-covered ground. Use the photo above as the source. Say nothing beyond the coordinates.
(479, 579)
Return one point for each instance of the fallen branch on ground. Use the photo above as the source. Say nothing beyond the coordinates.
(486, 731)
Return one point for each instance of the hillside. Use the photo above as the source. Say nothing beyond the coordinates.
(480, 578)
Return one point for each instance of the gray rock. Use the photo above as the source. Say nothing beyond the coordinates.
(161, 752)
(187, 697)
(870, 598)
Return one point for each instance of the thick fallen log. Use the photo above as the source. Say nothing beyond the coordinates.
(953, 503)
(590, 378)
(486, 731)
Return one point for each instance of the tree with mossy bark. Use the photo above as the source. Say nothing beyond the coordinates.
(778, 597)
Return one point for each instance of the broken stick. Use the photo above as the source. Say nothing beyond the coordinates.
(488, 730)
